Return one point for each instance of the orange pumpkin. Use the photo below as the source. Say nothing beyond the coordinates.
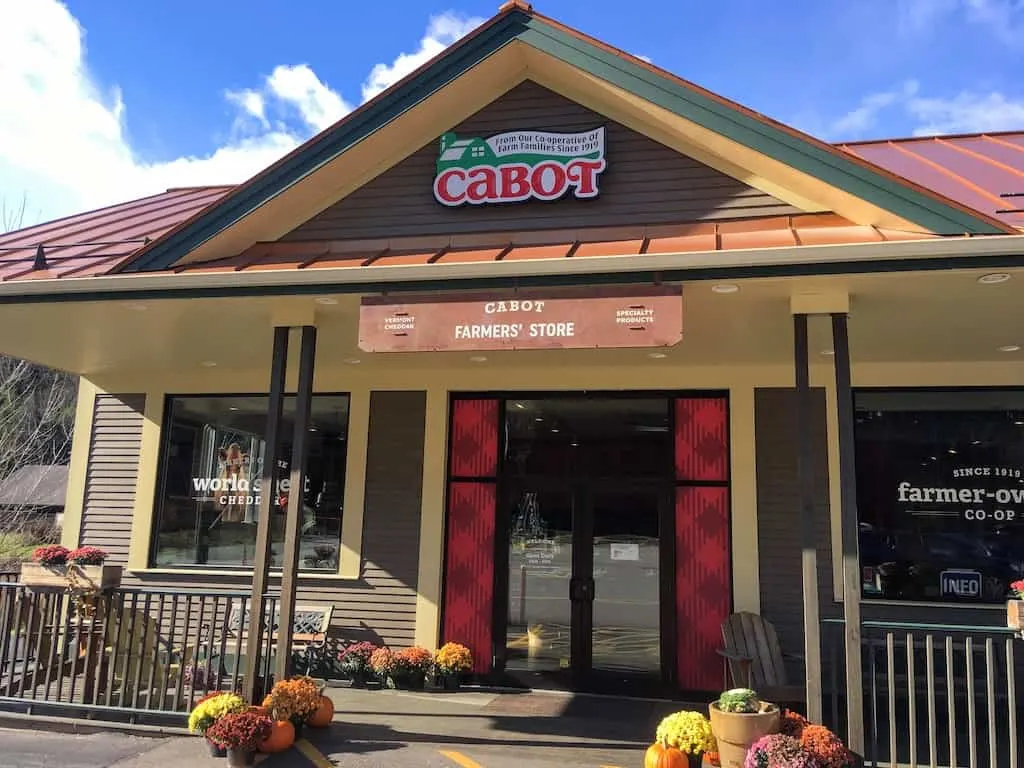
(323, 715)
(282, 736)
(660, 755)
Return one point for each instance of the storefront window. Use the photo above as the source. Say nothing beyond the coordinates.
(209, 495)
(940, 494)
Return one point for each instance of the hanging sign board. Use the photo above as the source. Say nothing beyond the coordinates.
(518, 165)
(565, 319)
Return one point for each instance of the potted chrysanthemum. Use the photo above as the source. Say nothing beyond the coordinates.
(452, 661)
(208, 710)
(681, 736)
(355, 662)
(738, 719)
(240, 734)
(411, 667)
(778, 751)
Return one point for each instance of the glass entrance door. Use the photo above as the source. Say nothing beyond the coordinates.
(584, 586)
(625, 553)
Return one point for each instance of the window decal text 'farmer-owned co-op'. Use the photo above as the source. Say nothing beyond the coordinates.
(519, 165)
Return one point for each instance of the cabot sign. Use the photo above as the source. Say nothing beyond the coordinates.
(518, 165)
(569, 319)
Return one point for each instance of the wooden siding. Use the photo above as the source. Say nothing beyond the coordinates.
(645, 183)
(778, 514)
(112, 474)
(379, 606)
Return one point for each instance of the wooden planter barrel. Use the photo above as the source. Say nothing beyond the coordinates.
(56, 576)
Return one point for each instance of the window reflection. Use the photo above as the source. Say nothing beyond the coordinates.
(940, 486)
(212, 459)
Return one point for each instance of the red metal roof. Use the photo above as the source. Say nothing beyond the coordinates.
(984, 170)
(94, 243)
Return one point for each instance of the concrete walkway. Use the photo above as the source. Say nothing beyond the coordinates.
(479, 729)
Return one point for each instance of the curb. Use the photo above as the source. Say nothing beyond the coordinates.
(17, 720)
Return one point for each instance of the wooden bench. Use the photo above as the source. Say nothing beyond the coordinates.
(309, 636)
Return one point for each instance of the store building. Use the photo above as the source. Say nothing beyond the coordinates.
(575, 377)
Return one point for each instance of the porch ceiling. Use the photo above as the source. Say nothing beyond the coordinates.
(909, 317)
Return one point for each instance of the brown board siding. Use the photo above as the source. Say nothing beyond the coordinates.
(778, 513)
(111, 475)
(379, 606)
(645, 183)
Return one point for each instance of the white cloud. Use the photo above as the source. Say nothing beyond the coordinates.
(442, 31)
(1003, 19)
(64, 141)
(864, 116)
(965, 112)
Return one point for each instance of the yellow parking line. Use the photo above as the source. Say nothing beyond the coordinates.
(461, 759)
(313, 754)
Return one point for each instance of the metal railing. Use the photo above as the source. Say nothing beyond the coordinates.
(128, 652)
(934, 695)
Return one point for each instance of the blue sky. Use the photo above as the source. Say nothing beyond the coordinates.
(181, 91)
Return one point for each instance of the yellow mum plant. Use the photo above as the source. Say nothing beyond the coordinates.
(687, 731)
(453, 658)
(210, 708)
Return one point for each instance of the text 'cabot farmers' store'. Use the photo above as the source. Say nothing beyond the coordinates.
(593, 358)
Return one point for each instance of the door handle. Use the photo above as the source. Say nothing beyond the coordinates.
(581, 589)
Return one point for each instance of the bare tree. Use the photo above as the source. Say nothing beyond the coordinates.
(37, 413)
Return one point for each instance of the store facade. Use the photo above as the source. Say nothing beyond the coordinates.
(579, 383)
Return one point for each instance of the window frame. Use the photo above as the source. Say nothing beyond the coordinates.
(910, 390)
(160, 490)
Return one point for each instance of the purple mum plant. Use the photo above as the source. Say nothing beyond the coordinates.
(778, 751)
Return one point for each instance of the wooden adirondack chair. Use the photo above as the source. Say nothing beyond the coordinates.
(756, 660)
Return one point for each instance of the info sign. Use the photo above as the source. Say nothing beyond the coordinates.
(519, 165)
(552, 319)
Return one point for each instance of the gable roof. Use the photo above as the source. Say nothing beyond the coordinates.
(517, 23)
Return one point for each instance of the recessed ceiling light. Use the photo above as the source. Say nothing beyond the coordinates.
(994, 278)
(828, 352)
(520, 406)
(136, 306)
(208, 364)
(326, 300)
(478, 359)
(233, 408)
(725, 288)
(353, 361)
(1010, 348)
(555, 429)
(951, 451)
(657, 355)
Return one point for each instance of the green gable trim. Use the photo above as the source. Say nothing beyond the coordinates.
(331, 144)
(830, 167)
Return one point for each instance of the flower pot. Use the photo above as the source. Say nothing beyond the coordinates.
(241, 758)
(215, 751)
(1015, 614)
(298, 728)
(450, 681)
(736, 731)
(414, 680)
(56, 576)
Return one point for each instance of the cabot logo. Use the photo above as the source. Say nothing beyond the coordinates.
(519, 165)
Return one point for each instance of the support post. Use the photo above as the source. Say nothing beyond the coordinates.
(850, 535)
(296, 497)
(261, 566)
(809, 559)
